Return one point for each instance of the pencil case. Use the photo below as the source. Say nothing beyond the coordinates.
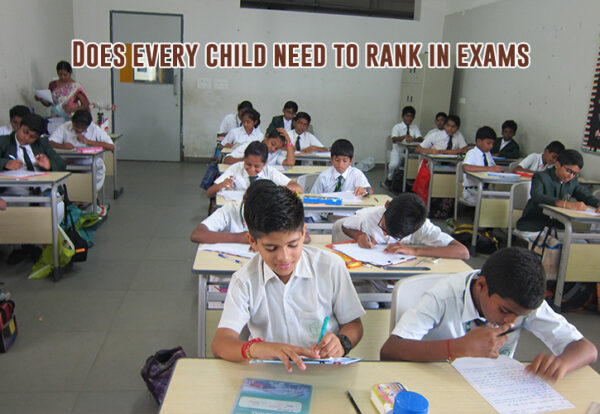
(330, 201)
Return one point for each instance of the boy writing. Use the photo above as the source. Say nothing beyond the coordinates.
(506, 146)
(15, 114)
(535, 162)
(281, 150)
(474, 314)
(448, 141)
(286, 291)
(479, 159)
(285, 121)
(303, 140)
(404, 131)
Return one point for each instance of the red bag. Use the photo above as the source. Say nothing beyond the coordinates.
(421, 185)
(8, 325)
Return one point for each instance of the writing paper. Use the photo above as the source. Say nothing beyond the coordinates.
(236, 249)
(374, 255)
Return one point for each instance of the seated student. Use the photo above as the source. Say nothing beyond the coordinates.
(465, 315)
(559, 187)
(404, 131)
(448, 141)
(239, 176)
(342, 176)
(285, 121)
(286, 291)
(303, 140)
(233, 120)
(440, 120)
(403, 225)
(479, 159)
(281, 150)
(248, 132)
(535, 162)
(506, 146)
(15, 114)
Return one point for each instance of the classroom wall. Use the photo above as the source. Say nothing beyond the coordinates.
(549, 100)
(35, 34)
(361, 105)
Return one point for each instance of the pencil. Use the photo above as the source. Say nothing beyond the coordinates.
(353, 403)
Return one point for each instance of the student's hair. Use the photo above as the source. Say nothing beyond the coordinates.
(444, 114)
(516, 273)
(291, 105)
(258, 186)
(253, 114)
(257, 148)
(18, 110)
(35, 123)
(244, 105)
(570, 157)
(485, 132)
(276, 134)
(64, 65)
(271, 209)
(81, 117)
(405, 214)
(455, 119)
(408, 110)
(302, 115)
(342, 147)
(555, 146)
(510, 124)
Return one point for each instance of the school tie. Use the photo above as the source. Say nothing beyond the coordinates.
(408, 130)
(252, 179)
(298, 143)
(485, 161)
(28, 162)
(449, 146)
(339, 184)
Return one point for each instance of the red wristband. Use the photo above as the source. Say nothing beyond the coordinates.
(450, 358)
(247, 345)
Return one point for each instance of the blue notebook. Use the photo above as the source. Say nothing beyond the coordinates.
(258, 396)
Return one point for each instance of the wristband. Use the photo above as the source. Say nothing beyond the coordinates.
(247, 345)
(288, 144)
(450, 358)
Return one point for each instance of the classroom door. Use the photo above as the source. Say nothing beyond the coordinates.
(148, 100)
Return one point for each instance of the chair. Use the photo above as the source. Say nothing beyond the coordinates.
(337, 234)
(596, 193)
(513, 165)
(519, 195)
(458, 198)
(307, 181)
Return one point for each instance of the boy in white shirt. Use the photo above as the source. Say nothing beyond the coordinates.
(286, 292)
(248, 132)
(239, 176)
(404, 131)
(535, 162)
(303, 140)
(15, 114)
(448, 141)
(480, 314)
(440, 120)
(479, 159)
(281, 150)
(342, 176)
(234, 120)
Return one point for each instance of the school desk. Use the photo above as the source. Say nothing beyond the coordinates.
(110, 159)
(579, 262)
(410, 163)
(212, 385)
(81, 186)
(293, 171)
(314, 156)
(32, 224)
(442, 172)
(208, 263)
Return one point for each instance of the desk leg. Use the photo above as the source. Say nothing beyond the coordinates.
(510, 215)
(431, 166)
(562, 266)
(56, 271)
(116, 190)
(202, 315)
(404, 169)
(94, 189)
(473, 249)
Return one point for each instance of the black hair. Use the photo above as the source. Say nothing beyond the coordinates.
(273, 208)
(275, 134)
(244, 105)
(257, 148)
(253, 114)
(408, 110)
(257, 186)
(18, 110)
(570, 157)
(510, 124)
(302, 115)
(35, 123)
(455, 119)
(405, 214)
(291, 105)
(517, 274)
(441, 114)
(81, 117)
(485, 132)
(64, 65)
(342, 147)
(555, 146)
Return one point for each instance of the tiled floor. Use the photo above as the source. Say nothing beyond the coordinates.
(83, 340)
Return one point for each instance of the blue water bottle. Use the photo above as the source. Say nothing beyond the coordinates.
(408, 402)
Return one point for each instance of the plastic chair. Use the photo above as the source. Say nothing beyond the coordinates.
(513, 165)
(519, 195)
(458, 198)
(337, 234)
(307, 181)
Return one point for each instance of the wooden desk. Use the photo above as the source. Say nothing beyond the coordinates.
(208, 263)
(78, 189)
(110, 158)
(578, 262)
(33, 224)
(314, 156)
(442, 182)
(212, 386)
(293, 171)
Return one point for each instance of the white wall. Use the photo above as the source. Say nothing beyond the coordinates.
(549, 100)
(361, 105)
(35, 34)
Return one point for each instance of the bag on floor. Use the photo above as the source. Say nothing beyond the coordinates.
(8, 325)
(441, 208)
(80, 245)
(548, 249)
(421, 184)
(157, 371)
(397, 180)
(43, 267)
(486, 242)
(209, 176)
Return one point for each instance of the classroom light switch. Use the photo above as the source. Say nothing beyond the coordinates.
(203, 83)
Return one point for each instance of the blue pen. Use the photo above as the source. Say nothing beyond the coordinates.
(12, 157)
(323, 328)
(229, 258)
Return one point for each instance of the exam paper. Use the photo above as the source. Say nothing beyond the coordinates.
(44, 94)
(236, 249)
(504, 384)
(591, 211)
(232, 195)
(505, 176)
(374, 255)
(22, 173)
(346, 196)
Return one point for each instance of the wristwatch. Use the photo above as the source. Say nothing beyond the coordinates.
(346, 344)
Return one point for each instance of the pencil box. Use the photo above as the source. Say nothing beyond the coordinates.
(330, 201)
(8, 325)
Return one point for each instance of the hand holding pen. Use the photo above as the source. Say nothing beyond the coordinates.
(364, 240)
(13, 163)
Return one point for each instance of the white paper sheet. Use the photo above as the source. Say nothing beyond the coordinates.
(374, 256)
(504, 384)
(44, 94)
(232, 195)
(236, 249)
(320, 154)
(591, 211)
(504, 176)
(346, 196)
(22, 173)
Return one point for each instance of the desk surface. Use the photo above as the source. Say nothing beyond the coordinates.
(49, 178)
(212, 385)
(294, 170)
(572, 214)
(370, 201)
(486, 178)
(73, 153)
(444, 157)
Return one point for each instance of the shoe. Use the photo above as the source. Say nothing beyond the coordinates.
(102, 211)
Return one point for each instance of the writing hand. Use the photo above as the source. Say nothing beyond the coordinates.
(284, 352)
(547, 366)
(329, 347)
(399, 248)
(363, 241)
(82, 138)
(496, 168)
(360, 191)
(576, 205)
(68, 145)
(483, 341)
(13, 165)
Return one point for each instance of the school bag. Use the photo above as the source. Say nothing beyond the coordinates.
(80, 245)
(486, 242)
(157, 371)
(8, 322)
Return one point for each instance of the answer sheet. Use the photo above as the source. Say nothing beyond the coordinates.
(374, 255)
(236, 249)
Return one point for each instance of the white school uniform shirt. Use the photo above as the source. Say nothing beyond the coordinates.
(533, 162)
(228, 218)
(287, 124)
(399, 130)
(326, 181)
(367, 219)
(291, 313)
(503, 144)
(5, 130)
(446, 310)
(229, 122)
(475, 157)
(439, 140)
(241, 179)
(306, 140)
(239, 136)
(274, 158)
(20, 190)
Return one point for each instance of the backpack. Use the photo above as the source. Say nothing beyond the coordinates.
(157, 371)
(486, 242)
(8, 323)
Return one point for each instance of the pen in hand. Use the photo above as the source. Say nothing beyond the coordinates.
(323, 329)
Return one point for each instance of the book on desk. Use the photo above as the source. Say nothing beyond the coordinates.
(259, 396)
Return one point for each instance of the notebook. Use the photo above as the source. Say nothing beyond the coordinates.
(258, 396)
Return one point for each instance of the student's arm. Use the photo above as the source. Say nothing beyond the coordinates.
(363, 191)
(518, 168)
(477, 168)
(455, 250)
(423, 150)
(3, 204)
(314, 148)
(66, 145)
(295, 187)
(577, 354)
(231, 160)
(202, 234)
(84, 103)
(49, 159)
(360, 237)
(226, 184)
(290, 158)
(91, 143)
(582, 194)
(411, 139)
(331, 347)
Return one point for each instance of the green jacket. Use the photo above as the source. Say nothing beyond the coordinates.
(546, 188)
(40, 146)
(510, 150)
